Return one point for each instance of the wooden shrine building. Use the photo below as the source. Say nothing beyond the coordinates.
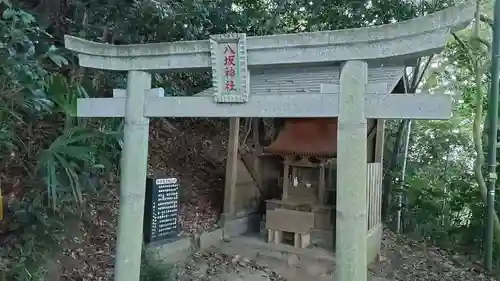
(308, 148)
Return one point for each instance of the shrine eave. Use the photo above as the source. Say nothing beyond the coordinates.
(304, 154)
(408, 39)
(306, 137)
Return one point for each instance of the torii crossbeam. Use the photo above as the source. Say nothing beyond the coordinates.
(378, 105)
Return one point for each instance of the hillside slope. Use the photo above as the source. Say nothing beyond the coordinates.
(195, 150)
(405, 259)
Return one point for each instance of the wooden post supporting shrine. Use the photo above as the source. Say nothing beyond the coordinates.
(322, 184)
(231, 168)
(379, 141)
(294, 177)
(257, 151)
(286, 177)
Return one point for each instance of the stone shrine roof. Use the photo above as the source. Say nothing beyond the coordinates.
(307, 137)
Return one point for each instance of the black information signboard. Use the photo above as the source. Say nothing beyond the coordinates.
(161, 212)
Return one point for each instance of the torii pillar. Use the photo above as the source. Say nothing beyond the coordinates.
(352, 208)
(132, 194)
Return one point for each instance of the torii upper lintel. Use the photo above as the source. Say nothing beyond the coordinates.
(406, 40)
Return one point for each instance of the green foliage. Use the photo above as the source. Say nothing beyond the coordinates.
(21, 75)
(38, 234)
(64, 95)
(442, 199)
(35, 88)
(68, 158)
(32, 89)
(438, 190)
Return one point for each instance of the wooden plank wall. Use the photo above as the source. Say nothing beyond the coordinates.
(374, 185)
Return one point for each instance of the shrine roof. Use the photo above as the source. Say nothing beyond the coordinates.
(307, 136)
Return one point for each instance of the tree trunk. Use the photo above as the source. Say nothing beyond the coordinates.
(391, 170)
(405, 85)
(476, 128)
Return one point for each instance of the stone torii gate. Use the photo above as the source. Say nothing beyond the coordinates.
(347, 74)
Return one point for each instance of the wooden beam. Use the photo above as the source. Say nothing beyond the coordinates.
(286, 179)
(257, 152)
(294, 175)
(231, 168)
(371, 132)
(379, 141)
(255, 133)
(322, 184)
(249, 162)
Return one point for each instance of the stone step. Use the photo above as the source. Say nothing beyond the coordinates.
(259, 244)
(294, 264)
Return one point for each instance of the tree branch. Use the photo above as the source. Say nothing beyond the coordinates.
(421, 76)
(487, 20)
(465, 48)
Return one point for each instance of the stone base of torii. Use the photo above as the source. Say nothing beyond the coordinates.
(345, 73)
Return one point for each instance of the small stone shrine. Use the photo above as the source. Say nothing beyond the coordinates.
(308, 148)
(161, 209)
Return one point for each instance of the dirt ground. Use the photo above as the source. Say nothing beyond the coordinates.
(213, 265)
(251, 259)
